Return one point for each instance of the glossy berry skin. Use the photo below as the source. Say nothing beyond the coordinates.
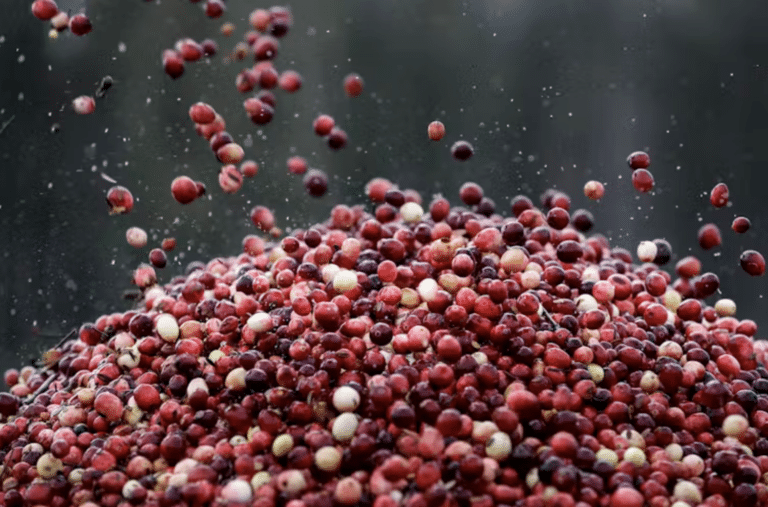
(741, 225)
(719, 195)
(184, 189)
(638, 160)
(752, 262)
(642, 180)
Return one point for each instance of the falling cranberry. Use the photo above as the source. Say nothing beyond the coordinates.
(249, 168)
(337, 139)
(84, 104)
(663, 252)
(297, 165)
(44, 9)
(740, 225)
(214, 8)
(230, 179)
(263, 218)
(266, 48)
(594, 190)
(752, 262)
(709, 236)
(120, 200)
(316, 182)
(158, 258)
(642, 180)
(202, 113)
(209, 47)
(638, 160)
(436, 130)
(290, 81)
(323, 125)
(230, 153)
(79, 24)
(189, 50)
(719, 195)
(168, 244)
(353, 85)
(184, 189)
(173, 63)
(462, 150)
(259, 19)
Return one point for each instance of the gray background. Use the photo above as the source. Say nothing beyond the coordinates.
(551, 93)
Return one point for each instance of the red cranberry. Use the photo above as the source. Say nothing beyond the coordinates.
(462, 150)
(752, 262)
(638, 160)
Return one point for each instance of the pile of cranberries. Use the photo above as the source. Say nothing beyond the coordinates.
(392, 355)
(452, 357)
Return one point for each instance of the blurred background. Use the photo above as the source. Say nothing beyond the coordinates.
(550, 93)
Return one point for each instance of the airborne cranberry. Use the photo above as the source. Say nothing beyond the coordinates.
(462, 150)
(337, 139)
(214, 8)
(594, 190)
(353, 85)
(262, 218)
(202, 113)
(719, 195)
(120, 200)
(583, 220)
(44, 9)
(190, 51)
(173, 63)
(158, 258)
(316, 182)
(297, 165)
(290, 81)
(752, 262)
(323, 125)
(663, 252)
(436, 130)
(642, 180)
(638, 160)
(79, 24)
(258, 110)
(709, 236)
(184, 189)
(740, 225)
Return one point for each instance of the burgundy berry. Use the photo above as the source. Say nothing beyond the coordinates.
(353, 85)
(752, 262)
(719, 195)
(462, 150)
(740, 225)
(316, 182)
(638, 160)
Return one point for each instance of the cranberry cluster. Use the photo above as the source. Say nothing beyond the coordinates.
(447, 358)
